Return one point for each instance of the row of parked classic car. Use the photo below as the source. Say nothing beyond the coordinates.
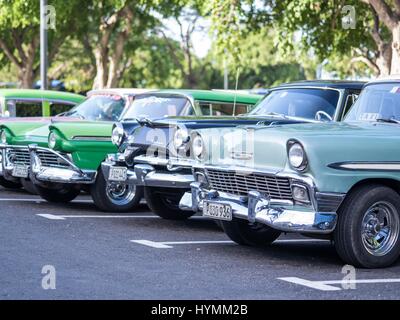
(319, 158)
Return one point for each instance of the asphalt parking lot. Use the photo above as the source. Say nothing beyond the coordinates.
(139, 256)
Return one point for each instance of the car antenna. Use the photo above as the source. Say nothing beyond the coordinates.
(236, 90)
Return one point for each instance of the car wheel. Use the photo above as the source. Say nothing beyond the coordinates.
(9, 184)
(115, 197)
(244, 233)
(165, 203)
(368, 228)
(29, 186)
(63, 194)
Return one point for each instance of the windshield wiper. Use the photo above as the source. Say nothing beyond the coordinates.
(388, 120)
(143, 122)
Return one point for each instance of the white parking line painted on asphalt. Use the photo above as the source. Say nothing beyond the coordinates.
(37, 200)
(50, 216)
(328, 284)
(87, 216)
(63, 217)
(170, 244)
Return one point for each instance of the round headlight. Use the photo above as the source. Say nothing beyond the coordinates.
(3, 137)
(297, 156)
(198, 147)
(52, 140)
(117, 135)
(180, 138)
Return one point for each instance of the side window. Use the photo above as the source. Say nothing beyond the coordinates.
(351, 98)
(206, 108)
(59, 107)
(24, 108)
(242, 108)
(223, 109)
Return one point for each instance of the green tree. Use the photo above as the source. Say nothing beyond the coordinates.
(326, 27)
(19, 33)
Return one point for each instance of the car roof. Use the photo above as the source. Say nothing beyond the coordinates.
(336, 84)
(119, 91)
(40, 94)
(386, 79)
(215, 95)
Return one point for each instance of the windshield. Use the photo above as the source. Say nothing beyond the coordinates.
(303, 103)
(157, 107)
(99, 108)
(377, 101)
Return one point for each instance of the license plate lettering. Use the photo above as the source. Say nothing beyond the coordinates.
(217, 211)
(118, 174)
(20, 171)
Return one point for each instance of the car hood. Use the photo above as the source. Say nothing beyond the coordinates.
(163, 130)
(266, 147)
(83, 129)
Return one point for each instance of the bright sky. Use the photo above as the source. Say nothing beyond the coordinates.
(201, 38)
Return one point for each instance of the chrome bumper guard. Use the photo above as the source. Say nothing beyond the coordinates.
(71, 174)
(149, 176)
(6, 168)
(258, 208)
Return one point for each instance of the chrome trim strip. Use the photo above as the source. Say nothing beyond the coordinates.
(366, 165)
(170, 163)
(91, 138)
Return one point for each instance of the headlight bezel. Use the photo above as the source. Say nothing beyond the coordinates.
(117, 135)
(300, 164)
(181, 138)
(52, 140)
(198, 142)
(3, 136)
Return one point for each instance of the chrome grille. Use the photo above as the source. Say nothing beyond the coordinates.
(237, 183)
(47, 158)
(18, 156)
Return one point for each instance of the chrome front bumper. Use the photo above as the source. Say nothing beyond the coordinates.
(147, 175)
(258, 208)
(7, 168)
(70, 174)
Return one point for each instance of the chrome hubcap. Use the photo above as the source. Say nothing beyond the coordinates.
(380, 228)
(120, 194)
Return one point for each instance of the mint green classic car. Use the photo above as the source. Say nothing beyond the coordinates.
(339, 181)
(91, 121)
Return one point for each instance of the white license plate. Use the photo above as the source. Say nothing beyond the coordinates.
(20, 171)
(118, 174)
(217, 211)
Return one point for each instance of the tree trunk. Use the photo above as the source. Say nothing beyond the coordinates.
(25, 78)
(395, 61)
(384, 59)
(101, 68)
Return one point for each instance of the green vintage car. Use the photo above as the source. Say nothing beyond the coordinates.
(29, 105)
(35, 103)
(64, 157)
(96, 113)
(339, 181)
